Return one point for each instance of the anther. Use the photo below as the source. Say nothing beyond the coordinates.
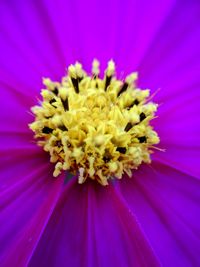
(128, 127)
(55, 91)
(128, 81)
(52, 101)
(68, 145)
(135, 103)
(63, 128)
(58, 143)
(73, 76)
(142, 139)
(109, 73)
(108, 80)
(122, 150)
(106, 159)
(123, 89)
(48, 117)
(142, 116)
(47, 130)
(75, 84)
(65, 104)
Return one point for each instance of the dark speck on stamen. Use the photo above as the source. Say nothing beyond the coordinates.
(142, 139)
(142, 116)
(55, 91)
(122, 150)
(47, 130)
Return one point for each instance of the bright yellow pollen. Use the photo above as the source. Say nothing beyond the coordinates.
(98, 127)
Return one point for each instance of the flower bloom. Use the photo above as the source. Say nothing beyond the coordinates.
(151, 219)
(99, 127)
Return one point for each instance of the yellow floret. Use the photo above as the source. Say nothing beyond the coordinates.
(98, 128)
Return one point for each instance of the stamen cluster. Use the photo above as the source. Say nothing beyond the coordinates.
(98, 127)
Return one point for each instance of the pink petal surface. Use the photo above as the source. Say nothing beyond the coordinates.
(25, 208)
(172, 65)
(91, 226)
(179, 130)
(166, 204)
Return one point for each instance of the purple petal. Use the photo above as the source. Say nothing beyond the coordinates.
(30, 48)
(172, 64)
(174, 54)
(166, 203)
(17, 163)
(91, 226)
(178, 126)
(25, 209)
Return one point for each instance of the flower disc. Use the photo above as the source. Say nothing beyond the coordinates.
(98, 127)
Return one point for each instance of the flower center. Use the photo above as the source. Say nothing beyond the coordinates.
(98, 127)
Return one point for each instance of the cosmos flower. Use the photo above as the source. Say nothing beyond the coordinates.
(151, 219)
(99, 127)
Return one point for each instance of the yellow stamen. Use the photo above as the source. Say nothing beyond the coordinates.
(96, 127)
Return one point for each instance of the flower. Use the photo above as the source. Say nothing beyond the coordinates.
(151, 219)
(98, 127)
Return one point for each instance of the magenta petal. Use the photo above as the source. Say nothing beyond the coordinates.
(142, 21)
(15, 169)
(178, 126)
(20, 156)
(92, 226)
(178, 119)
(25, 210)
(16, 111)
(180, 158)
(166, 203)
(172, 64)
(173, 57)
(29, 44)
